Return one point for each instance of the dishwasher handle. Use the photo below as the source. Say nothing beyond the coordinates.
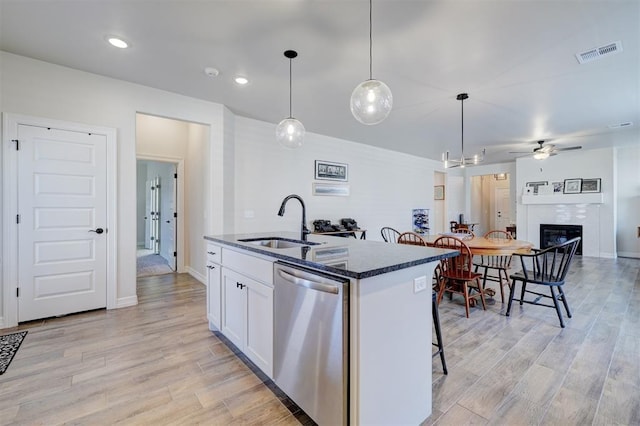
(313, 285)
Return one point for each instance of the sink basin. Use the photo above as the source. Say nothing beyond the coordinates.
(274, 242)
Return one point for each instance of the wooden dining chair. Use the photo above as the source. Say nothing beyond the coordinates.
(457, 274)
(495, 267)
(549, 268)
(389, 234)
(411, 238)
(464, 233)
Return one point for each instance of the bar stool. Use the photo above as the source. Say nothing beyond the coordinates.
(436, 323)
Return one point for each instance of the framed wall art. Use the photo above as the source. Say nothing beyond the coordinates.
(572, 186)
(558, 187)
(327, 170)
(535, 185)
(438, 192)
(590, 185)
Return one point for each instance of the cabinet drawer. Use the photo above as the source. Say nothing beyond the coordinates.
(259, 269)
(214, 253)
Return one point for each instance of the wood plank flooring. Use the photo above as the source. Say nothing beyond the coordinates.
(157, 363)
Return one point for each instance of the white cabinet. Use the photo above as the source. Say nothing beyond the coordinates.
(214, 270)
(247, 317)
(240, 302)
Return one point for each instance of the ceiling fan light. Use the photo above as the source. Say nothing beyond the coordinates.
(541, 155)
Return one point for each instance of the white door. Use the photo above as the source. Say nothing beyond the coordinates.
(62, 205)
(503, 209)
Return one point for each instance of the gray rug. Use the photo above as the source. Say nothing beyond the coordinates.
(152, 264)
(9, 345)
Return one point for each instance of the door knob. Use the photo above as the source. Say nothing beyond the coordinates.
(97, 230)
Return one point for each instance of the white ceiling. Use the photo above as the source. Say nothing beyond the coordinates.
(515, 58)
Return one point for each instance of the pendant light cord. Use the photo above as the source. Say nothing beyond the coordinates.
(290, 89)
(370, 40)
(462, 126)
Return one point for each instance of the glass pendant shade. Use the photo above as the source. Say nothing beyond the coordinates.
(290, 133)
(371, 102)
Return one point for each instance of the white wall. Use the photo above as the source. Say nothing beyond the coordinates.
(41, 89)
(384, 185)
(628, 191)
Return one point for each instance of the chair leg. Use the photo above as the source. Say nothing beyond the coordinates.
(481, 291)
(465, 291)
(555, 303)
(564, 301)
(524, 289)
(511, 292)
(500, 271)
(436, 322)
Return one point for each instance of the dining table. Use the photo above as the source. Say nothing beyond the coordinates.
(486, 246)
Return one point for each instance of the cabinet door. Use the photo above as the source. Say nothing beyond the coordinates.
(233, 307)
(259, 337)
(214, 292)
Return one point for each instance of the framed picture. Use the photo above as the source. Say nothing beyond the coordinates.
(535, 185)
(420, 219)
(438, 192)
(572, 186)
(558, 187)
(590, 185)
(326, 170)
(336, 190)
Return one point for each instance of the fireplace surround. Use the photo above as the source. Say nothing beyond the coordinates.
(552, 234)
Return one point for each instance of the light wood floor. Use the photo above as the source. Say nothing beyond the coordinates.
(157, 363)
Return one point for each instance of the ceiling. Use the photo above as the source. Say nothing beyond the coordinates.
(515, 59)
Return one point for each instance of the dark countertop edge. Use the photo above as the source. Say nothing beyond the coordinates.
(329, 268)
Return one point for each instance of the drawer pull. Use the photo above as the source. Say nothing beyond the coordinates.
(211, 267)
(211, 253)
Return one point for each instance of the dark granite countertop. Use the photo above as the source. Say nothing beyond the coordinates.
(343, 256)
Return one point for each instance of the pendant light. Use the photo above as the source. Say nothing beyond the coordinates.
(463, 161)
(371, 100)
(290, 131)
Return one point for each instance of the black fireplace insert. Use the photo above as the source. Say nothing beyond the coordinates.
(551, 235)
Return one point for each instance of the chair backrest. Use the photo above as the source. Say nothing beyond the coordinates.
(552, 264)
(497, 261)
(389, 234)
(458, 266)
(498, 234)
(411, 238)
(452, 225)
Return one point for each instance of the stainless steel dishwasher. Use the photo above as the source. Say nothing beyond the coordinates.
(311, 341)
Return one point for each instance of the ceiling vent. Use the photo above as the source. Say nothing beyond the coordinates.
(599, 52)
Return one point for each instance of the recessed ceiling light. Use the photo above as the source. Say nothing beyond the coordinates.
(117, 42)
(241, 80)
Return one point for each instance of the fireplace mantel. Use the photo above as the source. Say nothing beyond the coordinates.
(596, 198)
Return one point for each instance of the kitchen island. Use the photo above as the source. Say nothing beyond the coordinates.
(388, 319)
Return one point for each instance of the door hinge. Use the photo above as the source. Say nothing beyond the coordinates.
(17, 144)
(18, 292)
(17, 218)
(175, 214)
(175, 254)
(175, 176)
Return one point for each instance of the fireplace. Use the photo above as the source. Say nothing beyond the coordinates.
(551, 235)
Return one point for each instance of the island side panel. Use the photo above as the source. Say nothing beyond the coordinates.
(390, 369)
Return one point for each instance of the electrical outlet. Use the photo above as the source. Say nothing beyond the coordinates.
(419, 284)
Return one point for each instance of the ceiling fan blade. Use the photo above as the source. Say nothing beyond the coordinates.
(520, 152)
(569, 148)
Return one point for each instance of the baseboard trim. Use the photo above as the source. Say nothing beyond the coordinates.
(197, 275)
(631, 254)
(124, 302)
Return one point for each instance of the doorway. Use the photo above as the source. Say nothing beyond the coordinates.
(156, 217)
(491, 202)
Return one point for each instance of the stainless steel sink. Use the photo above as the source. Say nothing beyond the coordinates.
(275, 242)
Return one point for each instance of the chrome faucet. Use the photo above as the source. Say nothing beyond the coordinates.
(303, 229)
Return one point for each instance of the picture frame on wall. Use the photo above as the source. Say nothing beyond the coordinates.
(558, 187)
(327, 170)
(535, 185)
(590, 185)
(572, 186)
(438, 192)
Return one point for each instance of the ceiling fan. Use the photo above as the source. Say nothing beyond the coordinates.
(543, 151)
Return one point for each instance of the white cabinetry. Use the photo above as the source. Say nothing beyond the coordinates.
(214, 269)
(245, 295)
